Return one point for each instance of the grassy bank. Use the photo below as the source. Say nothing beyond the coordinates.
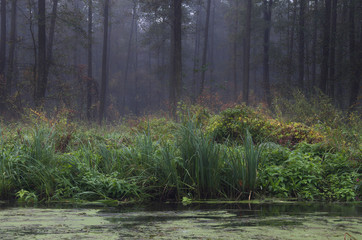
(236, 154)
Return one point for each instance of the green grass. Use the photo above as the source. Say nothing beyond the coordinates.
(162, 159)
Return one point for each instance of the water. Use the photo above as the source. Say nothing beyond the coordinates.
(175, 221)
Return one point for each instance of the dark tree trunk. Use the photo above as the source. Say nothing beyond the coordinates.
(246, 58)
(204, 52)
(314, 45)
(102, 103)
(325, 46)
(341, 54)
(354, 71)
(176, 56)
(41, 82)
(12, 43)
(3, 57)
(196, 52)
(90, 60)
(235, 49)
(332, 70)
(301, 56)
(136, 95)
(211, 49)
(290, 67)
(267, 18)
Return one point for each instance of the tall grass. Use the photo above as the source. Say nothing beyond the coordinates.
(243, 163)
(200, 160)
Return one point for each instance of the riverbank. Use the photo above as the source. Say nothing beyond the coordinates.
(237, 154)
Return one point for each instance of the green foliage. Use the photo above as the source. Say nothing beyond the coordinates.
(26, 196)
(310, 172)
(243, 165)
(232, 123)
(200, 159)
(203, 156)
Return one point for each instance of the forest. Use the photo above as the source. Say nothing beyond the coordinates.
(180, 99)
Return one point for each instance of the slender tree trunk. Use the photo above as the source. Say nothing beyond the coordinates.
(326, 47)
(204, 52)
(212, 44)
(354, 80)
(128, 60)
(267, 18)
(332, 70)
(246, 74)
(291, 45)
(196, 51)
(102, 104)
(176, 58)
(3, 57)
(235, 48)
(49, 50)
(301, 49)
(340, 54)
(12, 43)
(41, 82)
(137, 96)
(90, 59)
(314, 45)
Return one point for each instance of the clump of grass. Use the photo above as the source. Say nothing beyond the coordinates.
(243, 163)
(200, 160)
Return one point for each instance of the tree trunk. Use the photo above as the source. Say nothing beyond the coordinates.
(90, 60)
(301, 56)
(235, 49)
(3, 57)
(176, 57)
(332, 70)
(49, 50)
(196, 52)
(291, 46)
(102, 103)
(354, 78)
(125, 80)
(204, 52)
(41, 82)
(137, 94)
(267, 19)
(325, 46)
(212, 45)
(12, 43)
(314, 45)
(246, 58)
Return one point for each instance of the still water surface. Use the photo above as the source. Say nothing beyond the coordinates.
(175, 221)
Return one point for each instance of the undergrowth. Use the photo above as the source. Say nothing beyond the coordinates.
(235, 153)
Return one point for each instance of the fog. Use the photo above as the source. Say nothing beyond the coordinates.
(105, 59)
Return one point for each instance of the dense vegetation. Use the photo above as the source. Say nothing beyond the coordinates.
(237, 153)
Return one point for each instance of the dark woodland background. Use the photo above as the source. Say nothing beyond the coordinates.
(108, 59)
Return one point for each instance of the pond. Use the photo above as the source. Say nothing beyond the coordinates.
(292, 220)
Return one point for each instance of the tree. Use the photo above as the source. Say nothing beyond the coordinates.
(246, 58)
(104, 63)
(333, 33)
(204, 52)
(128, 60)
(3, 55)
(301, 44)
(354, 66)
(41, 80)
(325, 46)
(90, 59)
(267, 18)
(12, 42)
(176, 55)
